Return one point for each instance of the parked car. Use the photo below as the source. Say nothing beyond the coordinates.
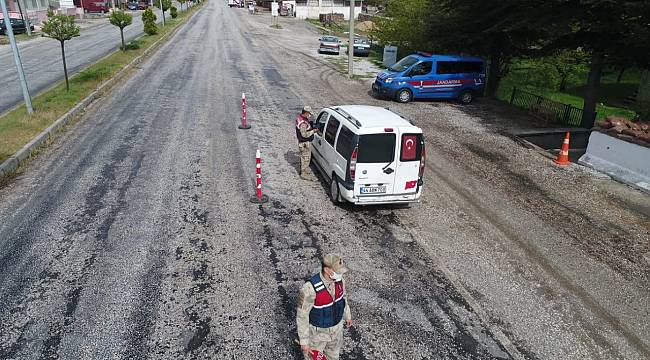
(361, 47)
(132, 6)
(143, 5)
(329, 44)
(369, 155)
(96, 6)
(427, 76)
(17, 25)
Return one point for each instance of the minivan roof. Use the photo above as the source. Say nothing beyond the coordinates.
(371, 116)
(447, 57)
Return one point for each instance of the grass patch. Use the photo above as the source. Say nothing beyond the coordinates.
(337, 29)
(17, 127)
(541, 80)
(4, 39)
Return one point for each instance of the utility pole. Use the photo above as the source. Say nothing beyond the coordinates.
(163, 12)
(19, 64)
(351, 44)
(25, 18)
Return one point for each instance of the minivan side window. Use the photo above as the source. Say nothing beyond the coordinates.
(458, 67)
(322, 118)
(330, 132)
(344, 143)
(423, 68)
(411, 147)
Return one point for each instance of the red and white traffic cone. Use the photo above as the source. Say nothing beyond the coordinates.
(259, 198)
(563, 156)
(244, 123)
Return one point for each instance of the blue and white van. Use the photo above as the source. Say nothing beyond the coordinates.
(426, 76)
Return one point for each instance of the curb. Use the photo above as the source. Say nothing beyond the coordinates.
(13, 162)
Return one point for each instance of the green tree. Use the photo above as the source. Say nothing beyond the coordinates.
(62, 28)
(496, 30)
(404, 24)
(614, 32)
(566, 63)
(173, 12)
(149, 21)
(121, 20)
(166, 4)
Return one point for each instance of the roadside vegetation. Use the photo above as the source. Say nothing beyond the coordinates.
(17, 127)
(595, 39)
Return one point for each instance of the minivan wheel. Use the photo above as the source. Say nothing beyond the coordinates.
(335, 193)
(466, 97)
(404, 95)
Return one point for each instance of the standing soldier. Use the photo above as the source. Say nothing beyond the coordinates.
(305, 135)
(322, 309)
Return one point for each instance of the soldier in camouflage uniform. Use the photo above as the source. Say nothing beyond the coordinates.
(323, 309)
(305, 135)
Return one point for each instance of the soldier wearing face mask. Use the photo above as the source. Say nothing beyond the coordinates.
(323, 309)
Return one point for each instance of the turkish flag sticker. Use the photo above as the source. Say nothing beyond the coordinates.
(318, 355)
(411, 184)
(409, 145)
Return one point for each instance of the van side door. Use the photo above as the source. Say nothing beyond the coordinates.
(331, 130)
(344, 147)
(419, 77)
(317, 144)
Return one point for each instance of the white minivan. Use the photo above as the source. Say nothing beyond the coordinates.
(369, 155)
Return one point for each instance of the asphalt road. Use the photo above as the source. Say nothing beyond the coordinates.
(42, 64)
(132, 236)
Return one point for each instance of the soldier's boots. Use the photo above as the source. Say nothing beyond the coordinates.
(308, 177)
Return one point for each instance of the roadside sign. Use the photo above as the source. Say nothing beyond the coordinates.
(274, 8)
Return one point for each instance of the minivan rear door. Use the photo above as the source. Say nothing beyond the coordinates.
(408, 165)
(376, 163)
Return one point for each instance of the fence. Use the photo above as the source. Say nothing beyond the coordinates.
(546, 109)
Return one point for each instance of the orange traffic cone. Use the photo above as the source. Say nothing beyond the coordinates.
(563, 156)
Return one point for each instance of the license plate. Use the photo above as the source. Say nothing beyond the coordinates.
(373, 190)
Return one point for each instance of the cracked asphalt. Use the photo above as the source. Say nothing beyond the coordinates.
(132, 235)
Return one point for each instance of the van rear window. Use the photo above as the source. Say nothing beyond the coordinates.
(411, 147)
(376, 148)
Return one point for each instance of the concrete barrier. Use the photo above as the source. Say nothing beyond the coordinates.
(622, 160)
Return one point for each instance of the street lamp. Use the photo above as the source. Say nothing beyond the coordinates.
(19, 64)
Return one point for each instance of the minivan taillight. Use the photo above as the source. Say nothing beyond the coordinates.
(353, 163)
(422, 158)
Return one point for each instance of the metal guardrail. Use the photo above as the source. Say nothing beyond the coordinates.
(552, 112)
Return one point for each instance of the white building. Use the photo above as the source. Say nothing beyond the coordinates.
(311, 9)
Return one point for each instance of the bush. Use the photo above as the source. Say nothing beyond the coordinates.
(149, 20)
(173, 12)
(132, 45)
(642, 110)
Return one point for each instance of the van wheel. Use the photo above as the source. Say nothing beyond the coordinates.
(466, 97)
(404, 96)
(335, 193)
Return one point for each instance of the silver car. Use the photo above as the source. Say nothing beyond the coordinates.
(329, 44)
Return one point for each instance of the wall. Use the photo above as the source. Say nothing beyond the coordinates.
(313, 12)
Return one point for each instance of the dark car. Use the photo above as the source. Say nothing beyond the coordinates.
(361, 47)
(132, 6)
(143, 5)
(18, 26)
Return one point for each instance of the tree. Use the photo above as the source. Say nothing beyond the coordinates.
(182, 2)
(149, 21)
(614, 32)
(121, 20)
(496, 30)
(567, 62)
(62, 28)
(166, 4)
(404, 24)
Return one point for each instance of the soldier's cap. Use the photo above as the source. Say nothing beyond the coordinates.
(334, 262)
(307, 108)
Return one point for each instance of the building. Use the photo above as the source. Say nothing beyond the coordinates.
(312, 9)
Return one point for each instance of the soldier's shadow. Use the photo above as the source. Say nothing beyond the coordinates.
(293, 159)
